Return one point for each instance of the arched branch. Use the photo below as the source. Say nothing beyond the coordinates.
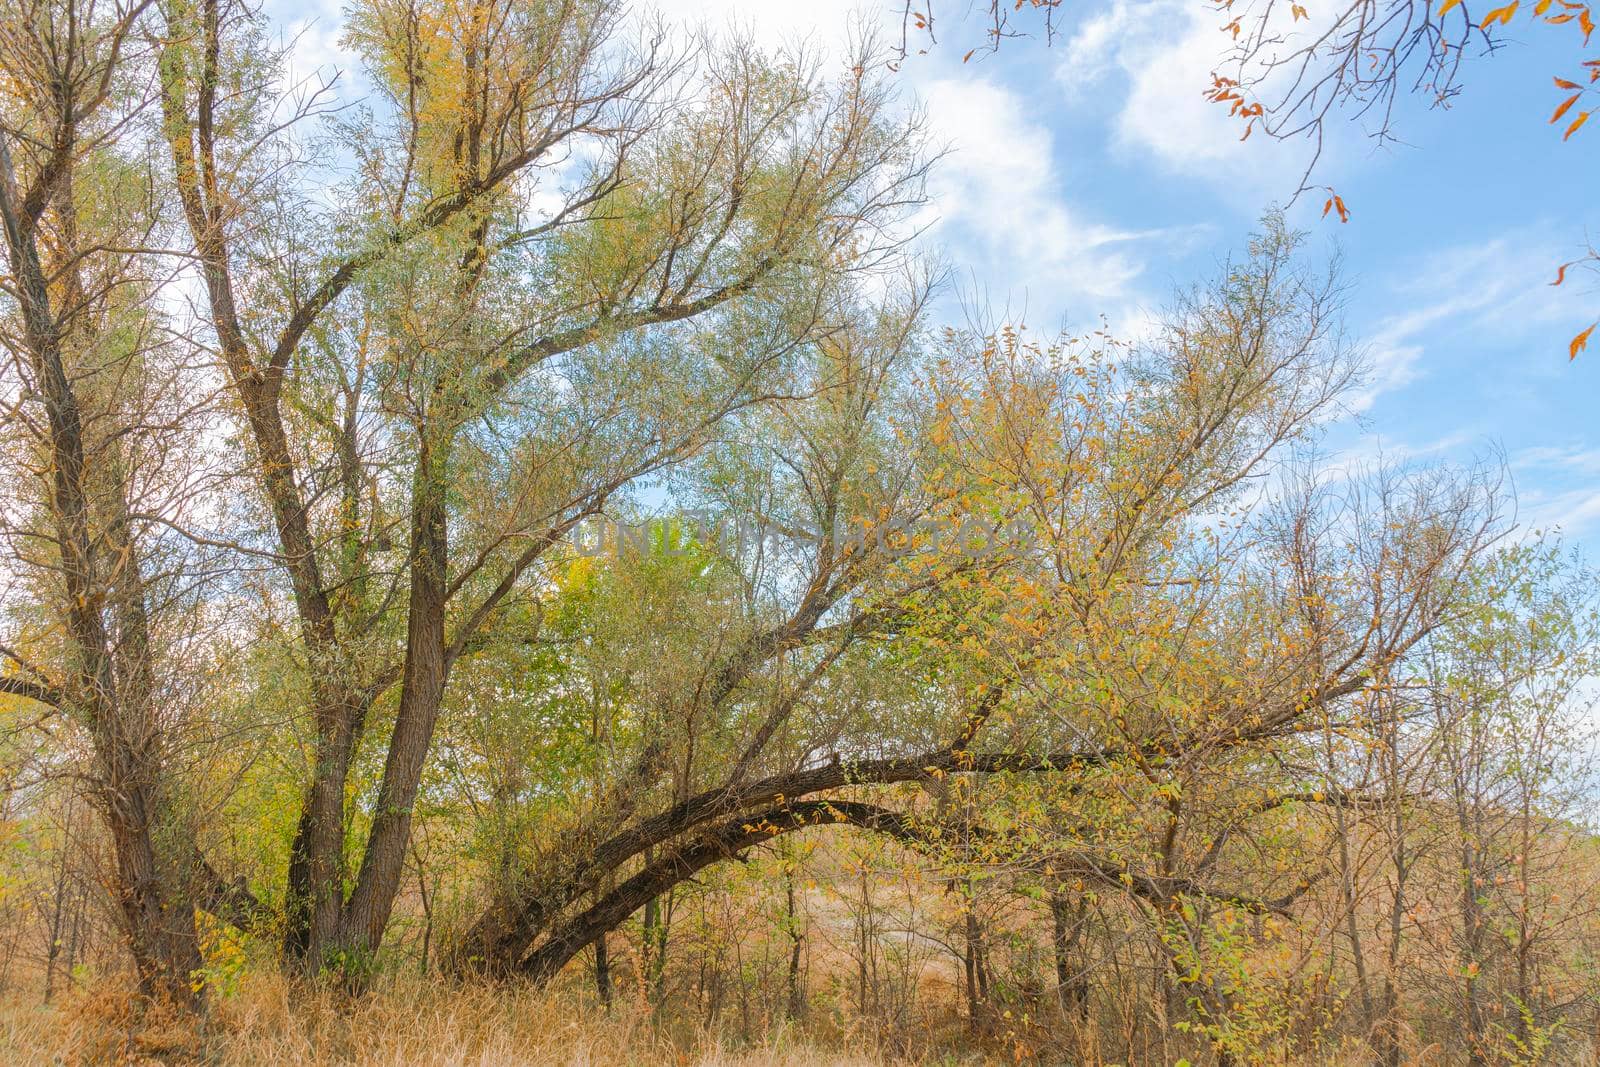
(721, 842)
(728, 839)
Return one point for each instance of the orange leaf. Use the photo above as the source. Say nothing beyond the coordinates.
(1445, 8)
(1561, 273)
(1580, 342)
(968, 55)
(1583, 117)
(1300, 13)
(1562, 83)
(1501, 15)
(1344, 212)
(1565, 105)
(1541, 7)
(1327, 207)
(1587, 23)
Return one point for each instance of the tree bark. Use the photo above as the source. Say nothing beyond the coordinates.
(422, 691)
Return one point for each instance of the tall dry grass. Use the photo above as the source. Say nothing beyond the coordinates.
(270, 1022)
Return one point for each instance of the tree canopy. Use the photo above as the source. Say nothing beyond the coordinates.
(454, 530)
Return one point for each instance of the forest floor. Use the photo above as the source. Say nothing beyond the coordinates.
(267, 1022)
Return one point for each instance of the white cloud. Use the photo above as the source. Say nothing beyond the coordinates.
(1397, 345)
(1574, 512)
(1495, 292)
(1153, 60)
(1563, 495)
(1506, 282)
(1572, 459)
(1001, 208)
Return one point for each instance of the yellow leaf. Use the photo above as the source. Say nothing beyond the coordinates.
(1447, 6)
(1577, 122)
(1580, 342)
(1501, 15)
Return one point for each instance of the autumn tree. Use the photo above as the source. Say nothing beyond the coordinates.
(1108, 645)
(1514, 765)
(476, 316)
(457, 528)
(95, 432)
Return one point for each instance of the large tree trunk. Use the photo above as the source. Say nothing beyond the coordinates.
(422, 691)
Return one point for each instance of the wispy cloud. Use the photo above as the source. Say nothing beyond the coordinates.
(1574, 512)
(1000, 206)
(1562, 488)
(1147, 63)
(1398, 343)
(1495, 292)
(1576, 459)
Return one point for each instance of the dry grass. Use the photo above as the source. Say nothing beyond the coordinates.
(270, 1022)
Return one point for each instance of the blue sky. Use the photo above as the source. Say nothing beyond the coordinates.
(1091, 178)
